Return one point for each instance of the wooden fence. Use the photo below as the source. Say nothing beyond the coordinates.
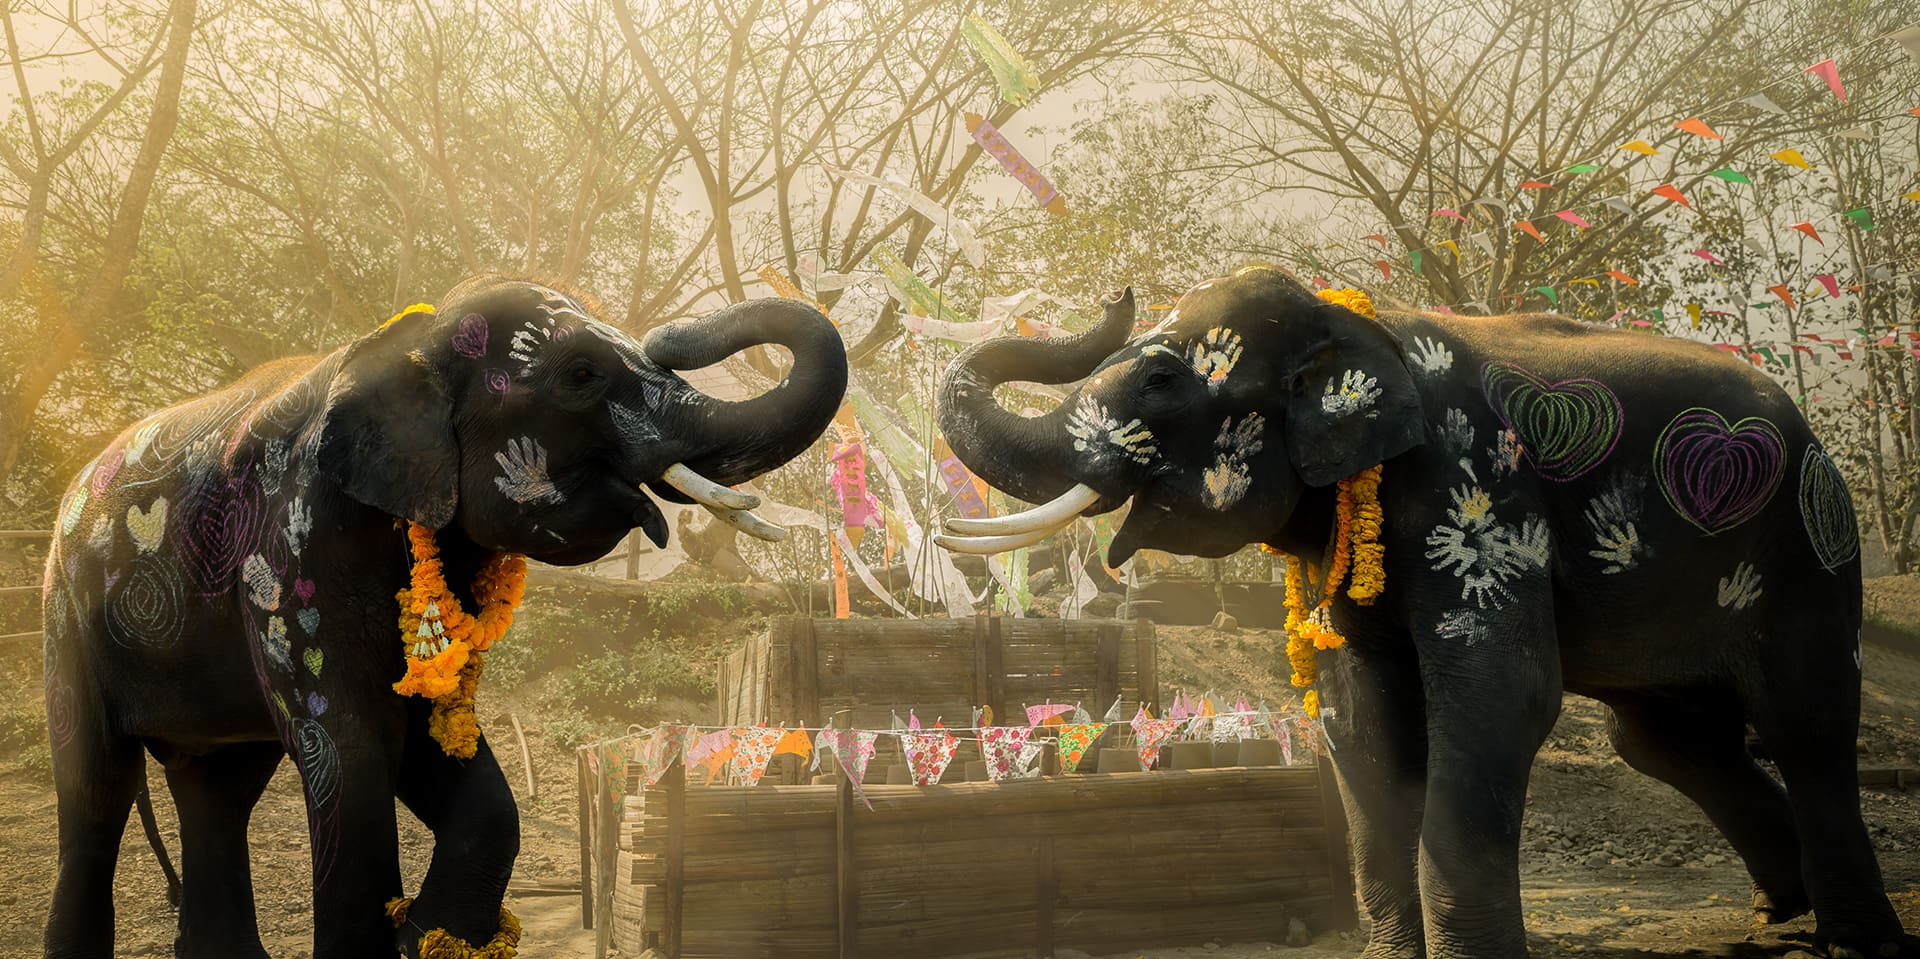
(857, 672)
(1101, 863)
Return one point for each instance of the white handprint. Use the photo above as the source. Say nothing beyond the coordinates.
(1431, 356)
(1215, 357)
(1619, 546)
(1355, 392)
(1740, 591)
(525, 467)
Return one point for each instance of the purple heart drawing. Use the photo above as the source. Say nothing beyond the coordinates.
(303, 588)
(1715, 474)
(470, 340)
(223, 520)
(1565, 428)
(316, 704)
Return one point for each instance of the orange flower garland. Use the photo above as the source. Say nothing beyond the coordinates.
(444, 642)
(1356, 547)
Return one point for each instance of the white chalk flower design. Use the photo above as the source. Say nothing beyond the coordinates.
(1100, 433)
(1742, 589)
(1225, 482)
(1356, 392)
(525, 479)
(1431, 356)
(1215, 355)
(1483, 552)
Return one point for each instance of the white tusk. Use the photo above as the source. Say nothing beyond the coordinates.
(706, 492)
(987, 545)
(1048, 516)
(749, 524)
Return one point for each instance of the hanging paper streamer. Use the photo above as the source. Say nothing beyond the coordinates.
(1001, 747)
(1029, 176)
(842, 603)
(1149, 734)
(1010, 70)
(960, 485)
(784, 287)
(1074, 741)
(928, 754)
(965, 237)
(858, 508)
(921, 300)
(847, 554)
(752, 750)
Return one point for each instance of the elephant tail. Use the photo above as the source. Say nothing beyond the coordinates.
(144, 802)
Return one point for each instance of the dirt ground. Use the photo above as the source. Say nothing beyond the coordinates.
(1614, 864)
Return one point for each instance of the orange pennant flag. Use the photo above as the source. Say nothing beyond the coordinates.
(1828, 71)
(1386, 271)
(1808, 229)
(1622, 276)
(794, 743)
(1785, 295)
(1527, 227)
(1379, 238)
(1641, 147)
(1673, 193)
(842, 603)
(1697, 127)
(1792, 158)
(1536, 185)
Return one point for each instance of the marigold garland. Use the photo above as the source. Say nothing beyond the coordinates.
(441, 944)
(1356, 548)
(444, 642)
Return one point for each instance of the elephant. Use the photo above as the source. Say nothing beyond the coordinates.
(1566, 507)
(221, 586)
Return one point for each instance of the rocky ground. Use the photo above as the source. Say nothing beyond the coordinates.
(1614, 864)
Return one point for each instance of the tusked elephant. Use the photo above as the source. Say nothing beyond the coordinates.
(1639, 520)
(221, 587)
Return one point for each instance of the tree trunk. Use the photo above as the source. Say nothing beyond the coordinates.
(63, 340)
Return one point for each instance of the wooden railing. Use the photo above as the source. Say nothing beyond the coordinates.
(5, 591)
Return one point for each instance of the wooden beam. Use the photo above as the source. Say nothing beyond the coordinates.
(846, 877)
(26, 534)
(584, 798)
(606, 853)
(989, 672)
(804, 647)
(1342, 914)
(1146, 667)
(18, 590)
(1046, 891)
(676, 783)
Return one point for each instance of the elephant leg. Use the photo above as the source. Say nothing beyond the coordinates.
(476, 837)
(1697, 744)
(348, 773)
(96, 775)
(1492, 694)
(1376, 724)
(215, 795)
(1807, 712)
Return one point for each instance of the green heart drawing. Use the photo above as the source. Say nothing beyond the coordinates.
(314, 659)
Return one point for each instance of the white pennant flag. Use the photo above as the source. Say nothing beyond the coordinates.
(1909, 40)
(1759, 101)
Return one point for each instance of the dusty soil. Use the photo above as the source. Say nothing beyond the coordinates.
(1614, 864)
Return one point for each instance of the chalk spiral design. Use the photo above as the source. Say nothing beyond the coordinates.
(161, 444)
(60, 712)
(1826, 508)
(286, 411)
(148, 609)
(221, 522)
(319, 764)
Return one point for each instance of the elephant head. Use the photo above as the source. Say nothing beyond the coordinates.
(1211, 424)
(513, 413)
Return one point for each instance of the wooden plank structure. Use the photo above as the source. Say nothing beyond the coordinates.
(1100, 863)
(858, 672)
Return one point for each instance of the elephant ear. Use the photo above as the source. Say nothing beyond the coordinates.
(1353, 402)
(387, 433)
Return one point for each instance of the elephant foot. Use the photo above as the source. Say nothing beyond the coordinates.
(1391, 950)
(1769, 909)
(1855, 941)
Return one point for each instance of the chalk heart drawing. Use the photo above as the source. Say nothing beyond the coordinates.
(314, 659)
(1827, 509)
(470, 339)
(309, 618)
(222, 522)
(303, 588)
(1564, 428)
(1715, 474)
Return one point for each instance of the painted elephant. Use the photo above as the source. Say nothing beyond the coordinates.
(221, 587)
(1639, 520)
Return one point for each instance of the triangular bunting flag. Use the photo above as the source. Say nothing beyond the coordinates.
(752, 749)
(1708, 256)
(1622, 276)
(1582, 168)
(1548, 292)
(1074, 741)
(1380, 238)
(1001, 747)
(1856, 133)
(1808, 229)
(1149, 734)
(1413, 256)
(795, 743)
(1792, 158)
(1386, 270)
(1693, 314)
(1443, 211)
(1036, 715)
(1484, 242)
(928, 754)
(1828, 71)
(1909, 40)
(1761, 101)
(1641, 147)
(1671, 192)
(1489, 201)
(1619, 203)
(1833, 285)
(1914, 196)
(1731, 176)
(1697, 127)
(1861, 218)
(1573, 218)
(1785, 295)
(1536, 185)
(1527, 227)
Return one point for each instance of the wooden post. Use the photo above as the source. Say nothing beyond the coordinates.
(805, 649)
(989, 674)
(1045, 891)
(1342, 914)
(585, 799)
(676, 782)
(633, 554)
(606, 851)
(1106, 667)
(846, 878)
(1146, 669)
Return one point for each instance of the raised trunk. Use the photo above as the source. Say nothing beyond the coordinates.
(1021, 455)
(737, 441)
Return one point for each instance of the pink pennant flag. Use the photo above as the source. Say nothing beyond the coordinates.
(1443, 211)
(928, 754)
(1037, 715)
(1573, 218)
(1828, 71)
(1709, 257)
(1827, 280)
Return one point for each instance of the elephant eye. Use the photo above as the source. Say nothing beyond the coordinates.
(1159, 378)
(582, 373)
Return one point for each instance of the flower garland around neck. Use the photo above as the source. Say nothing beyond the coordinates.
(444, 642)
(1356, 550)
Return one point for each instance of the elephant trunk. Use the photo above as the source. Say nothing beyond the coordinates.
(1020, 455)
(735, 441)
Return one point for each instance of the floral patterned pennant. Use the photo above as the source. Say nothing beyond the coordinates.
(1004, 747)
(752, 750)
(1150, 733)
(1074, 741)
(928, 754)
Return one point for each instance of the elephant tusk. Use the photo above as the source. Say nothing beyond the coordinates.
(706, 492)
(1048, 516)
(749, 524)
(987, 545)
